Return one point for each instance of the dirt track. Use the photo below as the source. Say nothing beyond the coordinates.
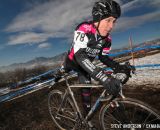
(31, 112)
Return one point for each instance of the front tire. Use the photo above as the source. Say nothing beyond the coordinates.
(129, 111)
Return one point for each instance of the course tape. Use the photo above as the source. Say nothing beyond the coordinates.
(21, 91)
(134, 50)
(148, 65)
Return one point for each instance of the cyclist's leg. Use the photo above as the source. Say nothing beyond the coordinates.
(84, 78)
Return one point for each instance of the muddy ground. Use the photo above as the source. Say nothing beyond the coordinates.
(31, 112)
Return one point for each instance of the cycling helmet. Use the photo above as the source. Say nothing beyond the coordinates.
(104, 9)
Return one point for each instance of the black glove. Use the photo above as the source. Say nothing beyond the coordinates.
(112, 85)
(125, 68)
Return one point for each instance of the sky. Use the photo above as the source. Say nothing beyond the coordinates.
(45, 28)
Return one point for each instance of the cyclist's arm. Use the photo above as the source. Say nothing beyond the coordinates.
(95, 72)
(105, 59)
(117, 68)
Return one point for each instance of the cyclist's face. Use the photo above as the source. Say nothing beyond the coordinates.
(106, 25)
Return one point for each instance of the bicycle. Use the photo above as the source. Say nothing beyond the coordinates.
(114, 113)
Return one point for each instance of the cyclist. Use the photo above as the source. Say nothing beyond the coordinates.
(91, 39)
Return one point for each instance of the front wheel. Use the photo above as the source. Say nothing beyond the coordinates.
(128, 114)
(64, 116)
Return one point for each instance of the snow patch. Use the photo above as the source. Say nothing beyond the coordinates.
(148, 76)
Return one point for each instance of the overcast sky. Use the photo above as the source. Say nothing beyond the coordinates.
(44, 28)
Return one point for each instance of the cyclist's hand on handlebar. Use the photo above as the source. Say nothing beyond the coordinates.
(130, 67)
(126, 68)
(113, 86)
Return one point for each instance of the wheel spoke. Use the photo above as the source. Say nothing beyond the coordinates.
(111, 116)
(147, 118)
(133, 114)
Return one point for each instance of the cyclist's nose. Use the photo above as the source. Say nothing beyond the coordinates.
(111, 25)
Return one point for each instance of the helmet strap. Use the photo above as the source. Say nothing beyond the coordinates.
(102, 37)
(98, 25)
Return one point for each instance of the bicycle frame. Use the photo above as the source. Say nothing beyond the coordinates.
(95, 107)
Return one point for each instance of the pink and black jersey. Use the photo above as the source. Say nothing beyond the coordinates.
(88, 44)
(87, 40)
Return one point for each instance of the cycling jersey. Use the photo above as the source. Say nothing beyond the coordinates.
(88, 44)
